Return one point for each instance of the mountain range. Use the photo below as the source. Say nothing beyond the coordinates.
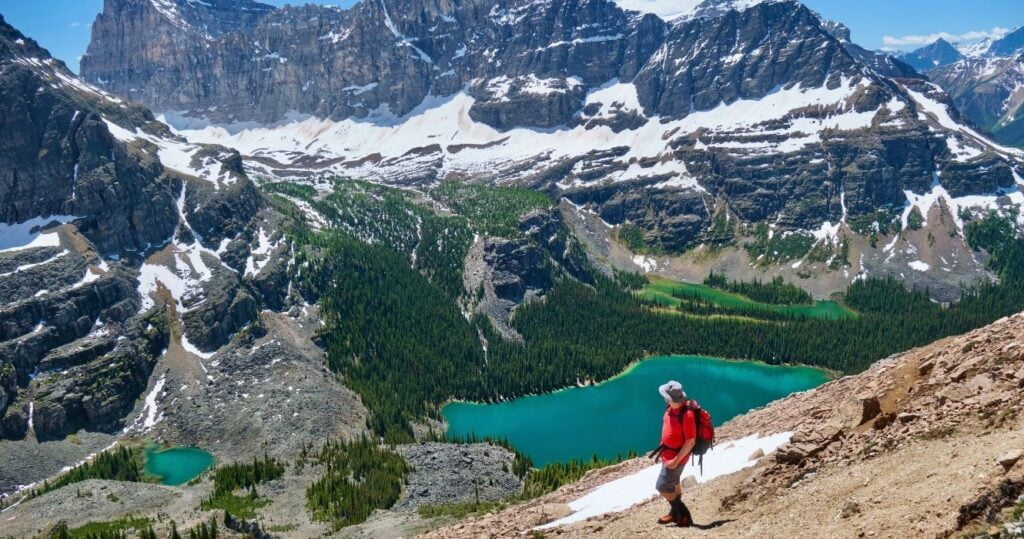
(242, 227)
(984, 79)
(764, 114)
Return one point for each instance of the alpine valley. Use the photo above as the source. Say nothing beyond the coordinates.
(250, 254)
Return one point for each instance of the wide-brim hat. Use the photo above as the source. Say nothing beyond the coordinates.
(672, 391)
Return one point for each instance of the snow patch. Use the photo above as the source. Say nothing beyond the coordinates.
(29, 234)
(625, 492)
(918, 265)
(647, 263)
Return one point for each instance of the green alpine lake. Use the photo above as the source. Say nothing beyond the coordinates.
(177, 465)
(624, 413)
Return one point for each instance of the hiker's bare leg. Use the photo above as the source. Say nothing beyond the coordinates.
(673, 495)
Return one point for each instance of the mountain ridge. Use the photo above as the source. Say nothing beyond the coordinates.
(671, 133)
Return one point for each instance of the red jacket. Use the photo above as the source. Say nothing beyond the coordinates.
(675, 432)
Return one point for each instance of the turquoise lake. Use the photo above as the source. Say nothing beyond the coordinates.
(624, 413)
(177, 465)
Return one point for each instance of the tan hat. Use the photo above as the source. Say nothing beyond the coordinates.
(672, 391)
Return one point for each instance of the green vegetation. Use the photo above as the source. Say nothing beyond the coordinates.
(704, 300)
(435, 245)
(359, 477)
(229, 479)
(723, 229)
(205, 530)
(770, 248)
(121, 464)
(915, 220)
(114, 529)
(875, 225)
(296, 190)
(492, 210)
(550, 477)
(386, 327)
(777, 291)
(244, 475)
(391, 319)
(635, 239)
(629, 280)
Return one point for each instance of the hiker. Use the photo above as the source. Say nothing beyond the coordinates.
(678, 437)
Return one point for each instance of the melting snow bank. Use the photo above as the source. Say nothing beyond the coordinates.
(29, 233)
(630, 490)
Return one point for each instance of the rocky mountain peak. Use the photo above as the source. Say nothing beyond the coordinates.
(936, 54)
(1008, 45)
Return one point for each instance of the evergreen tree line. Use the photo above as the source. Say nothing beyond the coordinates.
(116, 529)
(399, 339)
(358, 478)
(776, 292)
(493, 211)
(694, 303)
(205, 530)
(245, 475)
(230, 478)
(120, 464)
(553, 475)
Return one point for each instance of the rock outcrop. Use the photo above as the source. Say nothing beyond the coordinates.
(112, 231)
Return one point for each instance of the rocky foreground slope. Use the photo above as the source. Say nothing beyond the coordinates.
(924, 444)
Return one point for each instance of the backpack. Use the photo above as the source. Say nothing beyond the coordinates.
(705, 430)
(705, 437)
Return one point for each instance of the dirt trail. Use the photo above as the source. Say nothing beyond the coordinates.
(896, 451)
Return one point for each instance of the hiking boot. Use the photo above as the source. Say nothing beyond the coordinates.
(673, 513)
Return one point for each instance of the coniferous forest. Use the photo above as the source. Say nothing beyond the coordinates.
(392, 319)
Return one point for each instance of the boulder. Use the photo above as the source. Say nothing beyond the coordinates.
(756, 454)
(907, 417)
(860, 410)
(547, 512)
(1007, 460)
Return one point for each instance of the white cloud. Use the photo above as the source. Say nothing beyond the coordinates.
(973, 35)
(74, 25)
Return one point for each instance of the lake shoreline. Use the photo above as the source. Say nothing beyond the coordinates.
(621, 414)
(830, 374)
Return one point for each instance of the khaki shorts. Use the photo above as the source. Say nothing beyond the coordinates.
(668, 479)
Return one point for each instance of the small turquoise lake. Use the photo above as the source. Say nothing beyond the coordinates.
(624, 413)
(177, 465)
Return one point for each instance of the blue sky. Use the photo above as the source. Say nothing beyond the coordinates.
(62, 26)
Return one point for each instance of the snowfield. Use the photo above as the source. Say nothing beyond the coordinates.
(383, 145)
(625, 492)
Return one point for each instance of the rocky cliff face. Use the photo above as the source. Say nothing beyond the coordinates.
(748, 112)
(58, 157)
(118, 241)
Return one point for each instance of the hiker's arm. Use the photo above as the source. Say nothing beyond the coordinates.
(683, 452)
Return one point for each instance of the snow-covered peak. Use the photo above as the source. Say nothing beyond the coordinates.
(976, 49)
(681, 10)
